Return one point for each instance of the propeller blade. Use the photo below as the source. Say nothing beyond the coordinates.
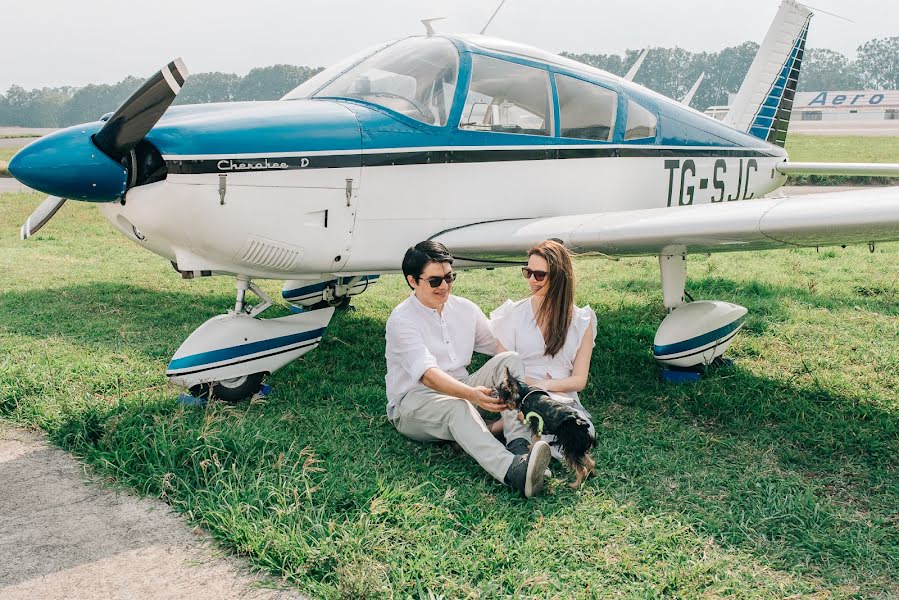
(134, 119)
(43, 213)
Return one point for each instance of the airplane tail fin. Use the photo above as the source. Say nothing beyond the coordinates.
(764, 103)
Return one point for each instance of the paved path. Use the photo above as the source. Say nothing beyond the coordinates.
(15, 142)
(8, 184)
(63, 536)
(858, 128)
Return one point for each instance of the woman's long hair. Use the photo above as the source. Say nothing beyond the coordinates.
(554, 314)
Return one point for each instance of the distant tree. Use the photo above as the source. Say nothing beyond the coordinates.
(725, 72)
(93, 101)
(34, 108)
(669, 71)
(270, 83)
(673, 71)
(209, 87)
(613, 63)
(16, 107)
(878, 64)
(825, 69)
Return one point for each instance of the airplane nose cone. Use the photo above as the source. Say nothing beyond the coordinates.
(68, 164)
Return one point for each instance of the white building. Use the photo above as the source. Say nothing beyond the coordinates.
(844, 106)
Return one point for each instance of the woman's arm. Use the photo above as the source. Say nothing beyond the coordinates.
(578, 379)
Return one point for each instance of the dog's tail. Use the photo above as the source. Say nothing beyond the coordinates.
(575, 442)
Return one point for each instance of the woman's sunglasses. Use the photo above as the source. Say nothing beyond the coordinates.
(435, 282)
(528, 273)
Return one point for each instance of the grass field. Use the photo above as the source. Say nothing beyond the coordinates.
(777, 477)
(813, 148)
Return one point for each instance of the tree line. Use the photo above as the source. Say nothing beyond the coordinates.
(64, 106)
(670, 71)
(673, 71)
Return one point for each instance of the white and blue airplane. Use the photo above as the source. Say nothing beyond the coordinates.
(483, 144)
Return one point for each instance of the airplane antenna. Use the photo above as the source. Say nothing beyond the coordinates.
(689, 97)
(429, 30)
(636, 66)
(832, 14)
(483, 29)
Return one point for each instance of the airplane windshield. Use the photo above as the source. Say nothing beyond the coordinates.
(415, 77)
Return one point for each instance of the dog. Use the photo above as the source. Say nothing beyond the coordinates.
(545, 415)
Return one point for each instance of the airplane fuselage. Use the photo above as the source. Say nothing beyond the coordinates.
(275, 222)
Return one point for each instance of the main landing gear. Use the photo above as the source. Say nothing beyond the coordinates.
(228, 356)
(695, 334)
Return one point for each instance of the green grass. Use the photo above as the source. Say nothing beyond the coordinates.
(776, 477)
(813, 148)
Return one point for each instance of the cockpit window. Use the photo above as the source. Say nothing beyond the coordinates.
(507, 97)
(316, 82)
(415, 77)
(640, 122)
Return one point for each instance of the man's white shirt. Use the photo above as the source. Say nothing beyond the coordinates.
(419, 338)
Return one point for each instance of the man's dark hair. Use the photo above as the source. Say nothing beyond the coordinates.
(418, 256)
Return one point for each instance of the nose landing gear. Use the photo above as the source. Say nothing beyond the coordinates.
(228, 356)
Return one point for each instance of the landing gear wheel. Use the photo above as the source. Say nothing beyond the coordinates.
(230, 390)
(341, 304)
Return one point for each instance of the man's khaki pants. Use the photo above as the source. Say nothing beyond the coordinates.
(429, 416)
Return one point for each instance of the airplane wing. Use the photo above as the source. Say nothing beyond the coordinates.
(853, 217)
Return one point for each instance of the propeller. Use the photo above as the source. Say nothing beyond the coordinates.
(134, 119)
(120, 135)
(41, 215)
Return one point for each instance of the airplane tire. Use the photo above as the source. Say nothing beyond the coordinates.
(230, 390)
(341, 304)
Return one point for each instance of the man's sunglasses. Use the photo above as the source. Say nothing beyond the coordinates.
(528, 273)
(435, 282)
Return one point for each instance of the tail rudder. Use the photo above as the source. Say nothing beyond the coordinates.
(764, 103)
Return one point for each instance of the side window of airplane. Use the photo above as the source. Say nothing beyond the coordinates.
(640, 122)
(507, 97)
(586, 111)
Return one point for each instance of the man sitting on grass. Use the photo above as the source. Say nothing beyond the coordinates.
(431, 336)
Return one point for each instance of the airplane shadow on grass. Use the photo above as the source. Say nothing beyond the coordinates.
(332, 400)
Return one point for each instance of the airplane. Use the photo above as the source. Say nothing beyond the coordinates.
(483, 144)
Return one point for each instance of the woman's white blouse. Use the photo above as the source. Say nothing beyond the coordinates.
(515, 327)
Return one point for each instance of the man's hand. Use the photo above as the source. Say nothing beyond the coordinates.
(480, 396)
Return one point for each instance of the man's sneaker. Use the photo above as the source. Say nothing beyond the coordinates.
(527, 473)
(520, 446)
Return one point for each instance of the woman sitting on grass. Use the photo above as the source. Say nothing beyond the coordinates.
(554, 337)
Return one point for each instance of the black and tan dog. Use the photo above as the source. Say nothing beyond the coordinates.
(545, 415)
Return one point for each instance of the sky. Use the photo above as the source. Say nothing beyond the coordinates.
(65, 42)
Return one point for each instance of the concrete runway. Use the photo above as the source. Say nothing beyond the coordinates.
(15, 142)
(8, 184)
(65, 535)
(859, 128)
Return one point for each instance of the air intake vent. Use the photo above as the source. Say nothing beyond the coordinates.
(270, 254)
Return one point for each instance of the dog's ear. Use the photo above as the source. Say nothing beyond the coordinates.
(516, 386)
(512, 383)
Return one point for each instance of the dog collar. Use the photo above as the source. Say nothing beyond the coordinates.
(528, 416)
